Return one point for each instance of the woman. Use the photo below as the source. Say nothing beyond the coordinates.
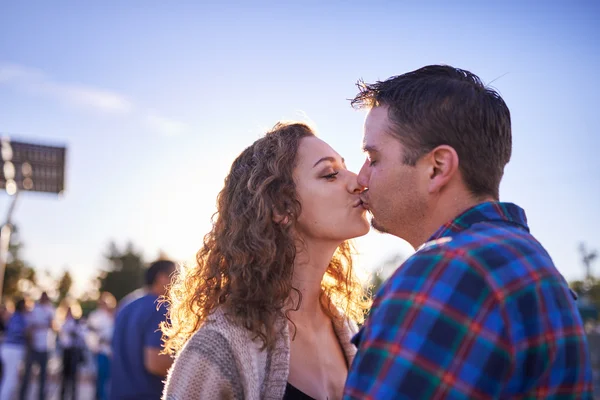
(13, 350)
(269, 311)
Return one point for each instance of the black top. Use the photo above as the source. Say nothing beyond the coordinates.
(291, 393)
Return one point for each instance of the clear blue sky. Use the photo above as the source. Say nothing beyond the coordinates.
(154, 99)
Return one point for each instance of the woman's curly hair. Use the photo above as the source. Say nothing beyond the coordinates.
(247, 260)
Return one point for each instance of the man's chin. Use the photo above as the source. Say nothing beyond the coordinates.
(378, 227)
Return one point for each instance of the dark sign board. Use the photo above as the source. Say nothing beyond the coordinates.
(32, 167)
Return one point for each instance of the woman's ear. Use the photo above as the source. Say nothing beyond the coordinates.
(279, 218)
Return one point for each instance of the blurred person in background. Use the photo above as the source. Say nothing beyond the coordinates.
(42, 327)
(134, 295)
(269, 310)
(72, 343)
(101, 324)
(13, 350)
(4, 316)
(138, 368)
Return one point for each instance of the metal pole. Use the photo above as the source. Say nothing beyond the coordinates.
(5, 234)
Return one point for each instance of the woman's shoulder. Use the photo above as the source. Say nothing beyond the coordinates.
(218, 335)
(220, 360)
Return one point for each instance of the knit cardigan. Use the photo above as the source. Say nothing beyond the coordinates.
(222, 361)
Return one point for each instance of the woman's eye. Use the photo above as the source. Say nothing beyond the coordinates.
(331, 176)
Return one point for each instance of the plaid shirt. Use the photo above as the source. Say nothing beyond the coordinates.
(478, 312)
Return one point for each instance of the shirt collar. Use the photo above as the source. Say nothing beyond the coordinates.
(492, 211)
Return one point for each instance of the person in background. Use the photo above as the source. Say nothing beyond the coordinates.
(42, 342)
(138, 367)
(73, 345)
(4, 314)
(13, 350)
(129, 297)
(101, 324)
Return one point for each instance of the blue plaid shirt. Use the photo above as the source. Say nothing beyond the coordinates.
(478, 312)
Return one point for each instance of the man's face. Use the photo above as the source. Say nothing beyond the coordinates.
(396, 196)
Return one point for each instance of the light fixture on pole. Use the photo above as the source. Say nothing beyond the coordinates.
(27, 167)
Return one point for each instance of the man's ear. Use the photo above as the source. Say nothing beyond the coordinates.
(442, 167)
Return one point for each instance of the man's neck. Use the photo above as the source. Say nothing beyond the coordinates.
(446, 210)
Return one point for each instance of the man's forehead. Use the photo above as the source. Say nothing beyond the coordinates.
(376, 124)
(377, 116)
(375, 139)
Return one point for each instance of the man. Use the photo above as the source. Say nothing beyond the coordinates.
(479, 311)
(41, 331)
(138, 369)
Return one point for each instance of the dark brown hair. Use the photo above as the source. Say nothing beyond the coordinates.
(439, 104)
(246, 262)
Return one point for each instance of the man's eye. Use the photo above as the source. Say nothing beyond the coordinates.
(372, 162)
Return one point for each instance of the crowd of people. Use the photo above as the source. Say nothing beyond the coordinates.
(113, 340)
(34, 333)
(273, 309)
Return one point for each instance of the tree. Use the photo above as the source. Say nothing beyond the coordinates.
(17, 270)
(125, 272)
(587, 258)
(64, 285)
(587, 289)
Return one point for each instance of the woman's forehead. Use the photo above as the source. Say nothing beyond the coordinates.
(312, 151)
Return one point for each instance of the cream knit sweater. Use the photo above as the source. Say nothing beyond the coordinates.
(221, 361)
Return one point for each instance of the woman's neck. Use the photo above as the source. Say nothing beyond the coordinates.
(309, 268)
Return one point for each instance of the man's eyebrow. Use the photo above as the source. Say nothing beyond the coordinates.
(369, 149)
(331, 159)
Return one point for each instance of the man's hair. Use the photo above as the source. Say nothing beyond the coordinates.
(442, 105)
(156, 268)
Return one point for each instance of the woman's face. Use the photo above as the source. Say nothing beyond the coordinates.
(328, 193)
